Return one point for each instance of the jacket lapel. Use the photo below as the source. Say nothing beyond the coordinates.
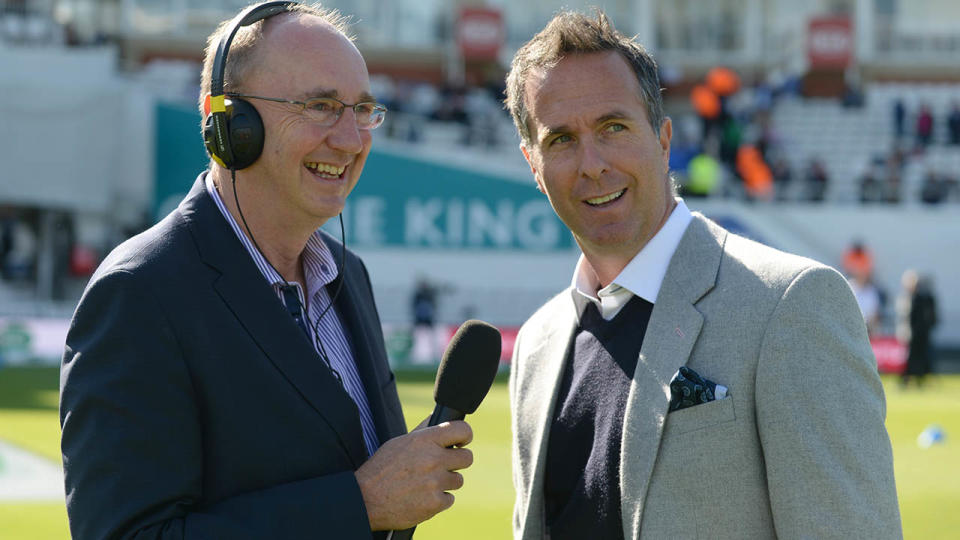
(671, 334)
(257, 308)
(540, 394)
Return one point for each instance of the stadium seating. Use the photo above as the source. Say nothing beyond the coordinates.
(847, 140)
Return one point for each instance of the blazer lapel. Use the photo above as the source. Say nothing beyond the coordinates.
(671, 334)
(257, 308)
(540, 388)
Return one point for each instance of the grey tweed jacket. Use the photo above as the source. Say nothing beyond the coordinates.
(798, 449)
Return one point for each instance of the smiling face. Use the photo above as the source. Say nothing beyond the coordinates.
(306, 170)
(595, 155)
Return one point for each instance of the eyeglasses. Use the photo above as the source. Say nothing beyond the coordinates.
(326, 111)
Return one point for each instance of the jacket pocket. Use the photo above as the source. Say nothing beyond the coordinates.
(700, 416)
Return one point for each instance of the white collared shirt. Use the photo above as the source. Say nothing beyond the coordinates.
(642, 276)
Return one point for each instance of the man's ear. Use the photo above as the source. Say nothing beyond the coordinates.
(666, 133)
(533, 168)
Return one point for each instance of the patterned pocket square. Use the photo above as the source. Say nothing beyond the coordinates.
(688, 388)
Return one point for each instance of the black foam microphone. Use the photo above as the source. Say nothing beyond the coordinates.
(466, 373)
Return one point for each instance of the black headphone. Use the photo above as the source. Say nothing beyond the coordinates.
(234, 135)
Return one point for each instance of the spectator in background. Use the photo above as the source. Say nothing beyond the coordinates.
(924, 126)
(869, 299)
(852, 89)
(424, 304)
(871, 188)
(703, 176)
(816, 180)
(891, 188)
(6, 239)
(731, 135)
(428, 341)
(756, 175)
(857, 260)
(782, 175)
(917, 316)
(934, 189)
(894, 172)
(951, 187)
(899, 117)
(953, 124)
(858, 266)
(18, 263)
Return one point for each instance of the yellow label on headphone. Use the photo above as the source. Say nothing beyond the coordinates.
(218, 103)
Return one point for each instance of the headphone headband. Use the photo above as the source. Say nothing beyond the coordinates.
(235, 139)
(246, 17)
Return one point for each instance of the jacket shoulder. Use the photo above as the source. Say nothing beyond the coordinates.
(773, 267)
(163, 246)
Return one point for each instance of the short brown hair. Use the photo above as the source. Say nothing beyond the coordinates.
(571, 33)
(244, 45)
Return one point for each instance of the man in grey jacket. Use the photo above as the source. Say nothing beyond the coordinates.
(689, 383)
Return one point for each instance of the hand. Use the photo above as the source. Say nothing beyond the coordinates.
(406, 481)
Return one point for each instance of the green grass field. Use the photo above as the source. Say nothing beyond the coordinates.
(928, 481)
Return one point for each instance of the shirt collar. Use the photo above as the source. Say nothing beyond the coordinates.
(318, 264)
(642, 276)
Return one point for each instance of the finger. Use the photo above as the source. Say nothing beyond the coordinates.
(458, 458)
(456, 433)
(452, 481)
(447, 499)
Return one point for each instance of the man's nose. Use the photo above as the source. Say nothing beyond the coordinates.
(592, 161)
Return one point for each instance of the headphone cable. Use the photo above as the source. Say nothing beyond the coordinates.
(341, 277)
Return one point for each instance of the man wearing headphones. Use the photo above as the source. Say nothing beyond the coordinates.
(225, 374)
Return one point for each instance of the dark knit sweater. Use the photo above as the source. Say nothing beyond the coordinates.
(582, 484)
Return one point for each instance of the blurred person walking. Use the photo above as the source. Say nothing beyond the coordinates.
(917, 316)
(426, 349)
(225, 374)
(689, 382)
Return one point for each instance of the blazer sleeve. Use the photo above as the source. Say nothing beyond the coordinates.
(132, 439)
(820, 416)
(518, 487)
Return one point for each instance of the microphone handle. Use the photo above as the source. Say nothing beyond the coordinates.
(440, 415)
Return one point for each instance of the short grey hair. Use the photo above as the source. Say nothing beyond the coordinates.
(570, 33)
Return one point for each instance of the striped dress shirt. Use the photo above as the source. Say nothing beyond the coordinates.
(326, 333)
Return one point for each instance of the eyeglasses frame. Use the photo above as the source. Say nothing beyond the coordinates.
(379, 107)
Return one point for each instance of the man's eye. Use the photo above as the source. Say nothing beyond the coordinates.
(365, 109)
(560, 139)
(613, 128)
(322, 106)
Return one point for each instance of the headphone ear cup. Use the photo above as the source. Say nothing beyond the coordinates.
(210, 141)
(246, 133)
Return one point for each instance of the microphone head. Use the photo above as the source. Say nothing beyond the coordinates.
(468, 367)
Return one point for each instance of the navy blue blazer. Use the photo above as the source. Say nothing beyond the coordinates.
(193, 406)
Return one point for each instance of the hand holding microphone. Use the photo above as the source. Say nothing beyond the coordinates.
(406, 481)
